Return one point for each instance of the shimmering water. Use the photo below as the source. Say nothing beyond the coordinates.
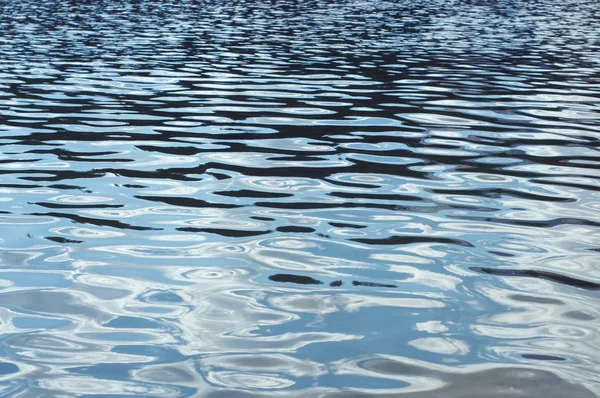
(299, 198)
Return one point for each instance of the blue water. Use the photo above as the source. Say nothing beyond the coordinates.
(299, 198)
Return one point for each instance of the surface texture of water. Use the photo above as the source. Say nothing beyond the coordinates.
(299, 198)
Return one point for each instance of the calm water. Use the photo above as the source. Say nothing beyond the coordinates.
(300, 198)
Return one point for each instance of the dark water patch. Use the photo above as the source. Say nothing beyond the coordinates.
(246, 193)
(74, 206)
(306, 280)
(133, 186)
(498, 193)
(550, 276)
(23, 186)
(501, 254)
(372, 284)
(262, 218)
(539, 357)
(299, 279)
(407, 240)
(345, 225)
(579, 315)
(175, 150)
(154, 173)
(232, 233)
(349, 195)
(295, 229)
(538, 224)
(186, 202)
(67, 186)
(60, 239)
(320, 205)
(533, 299)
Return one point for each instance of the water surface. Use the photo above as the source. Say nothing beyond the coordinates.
(299, 198)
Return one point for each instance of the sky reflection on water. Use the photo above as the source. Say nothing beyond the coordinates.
(299, 198)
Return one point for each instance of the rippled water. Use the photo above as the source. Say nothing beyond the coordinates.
(299, 198)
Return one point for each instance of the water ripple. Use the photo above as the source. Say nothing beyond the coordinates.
(315, 198)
